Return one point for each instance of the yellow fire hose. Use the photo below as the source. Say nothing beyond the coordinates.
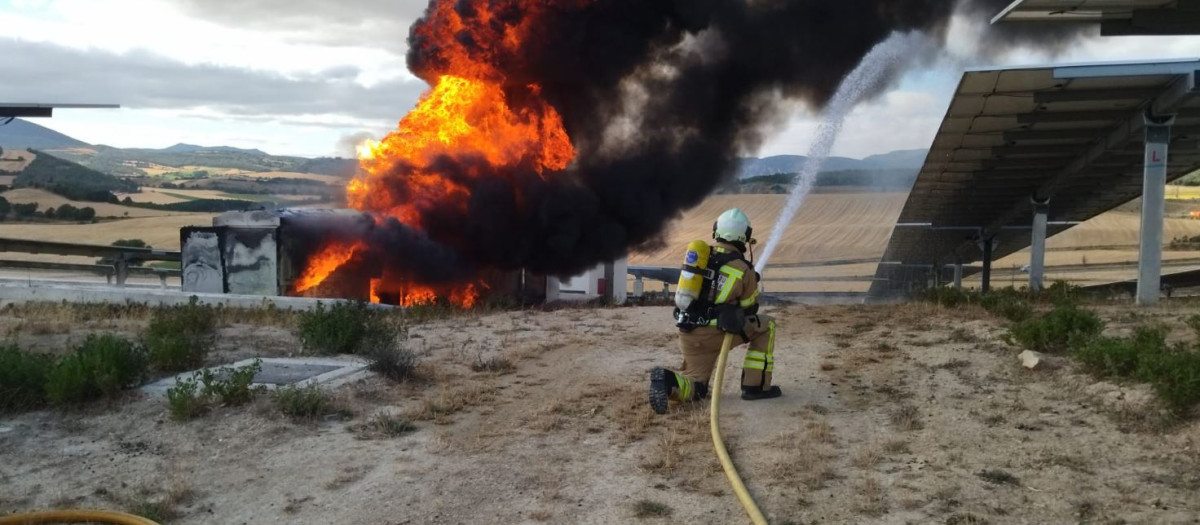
(75, 516)
(739, 488)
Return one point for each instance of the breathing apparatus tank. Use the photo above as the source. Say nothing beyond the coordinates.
(690, 282)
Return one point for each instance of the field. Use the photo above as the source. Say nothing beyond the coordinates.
(891, 414)
(1183, 192)
(836, 239)
(829, 226)
(46, 200)
(1087, 253)
(160, 232)
(9, 162)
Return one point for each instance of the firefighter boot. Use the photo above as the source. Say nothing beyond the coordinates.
(662, 381)
(754, 393)
(666, 385)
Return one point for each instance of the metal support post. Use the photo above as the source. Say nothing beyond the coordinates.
(1037, 251)
(1154, 187)
(987, 242)
(610, 286)
(958, 267)
(639, 287)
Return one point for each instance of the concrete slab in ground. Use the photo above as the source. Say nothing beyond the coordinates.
(284, 371)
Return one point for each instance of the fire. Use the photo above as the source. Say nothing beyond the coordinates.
(472, 115)
(409, 294)
(326, 261)
(458, 117)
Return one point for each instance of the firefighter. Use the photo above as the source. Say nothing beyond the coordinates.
(723, 300)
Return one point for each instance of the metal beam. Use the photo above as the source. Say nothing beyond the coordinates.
(1171, 22)
(6, 112)
(1162, 67)
(1058, 134)
(1071, 116)
(1035, 151)
(1093, 95)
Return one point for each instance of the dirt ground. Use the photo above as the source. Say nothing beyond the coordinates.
(891, 414)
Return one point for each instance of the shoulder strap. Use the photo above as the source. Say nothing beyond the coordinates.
(720, 257)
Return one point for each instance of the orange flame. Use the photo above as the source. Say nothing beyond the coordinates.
(471, 113)
(375, 291)
(457, 117)
(326, 261)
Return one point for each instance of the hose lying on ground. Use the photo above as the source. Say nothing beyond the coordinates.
(756, 516)
(75, 516)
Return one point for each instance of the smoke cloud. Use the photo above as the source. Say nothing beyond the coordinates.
(659, 97)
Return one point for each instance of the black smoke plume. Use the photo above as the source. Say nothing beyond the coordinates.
(660, 98)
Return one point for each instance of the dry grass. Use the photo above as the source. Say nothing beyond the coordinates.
(347, 476)
(872, 499)
(440, 406)
(651, 509)
(868, 456)
(383, 425)
(152, 501)
(497, 364)
(799, 461)
(821, 432)
(907, 418)
(896, 446)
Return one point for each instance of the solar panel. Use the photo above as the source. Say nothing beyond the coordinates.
(1071, 133)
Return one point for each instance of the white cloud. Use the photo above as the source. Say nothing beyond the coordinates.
(898, 120)
(160, 27)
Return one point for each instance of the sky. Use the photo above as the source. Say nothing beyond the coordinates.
(314, 77)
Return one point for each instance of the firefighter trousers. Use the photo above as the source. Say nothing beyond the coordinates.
(702, 346)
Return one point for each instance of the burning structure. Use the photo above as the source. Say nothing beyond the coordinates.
(558, 134)
(268, 253)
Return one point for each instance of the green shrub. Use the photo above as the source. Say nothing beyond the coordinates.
(22, 378)
(192, 397)
(101, 367)
(180, 337)
(338, 329)
(232, 386)
(945, 296)
(185, 400)
(381, 346)
(1116, 356)
(302, 402)
(1009, 304)
(1174, 373)
(1060, 293)
(1051, 332)
(1193, 322)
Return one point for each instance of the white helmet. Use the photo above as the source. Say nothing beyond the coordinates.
(732, 226)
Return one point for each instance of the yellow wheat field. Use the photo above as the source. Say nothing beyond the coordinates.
(46, 200)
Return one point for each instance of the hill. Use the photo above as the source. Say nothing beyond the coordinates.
(71, 180)
(869, 180)
(895, 160)
(192, 148)
(24, 134)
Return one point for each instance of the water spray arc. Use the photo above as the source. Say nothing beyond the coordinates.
(885, 58)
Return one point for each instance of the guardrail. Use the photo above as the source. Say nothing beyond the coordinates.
(122, 257)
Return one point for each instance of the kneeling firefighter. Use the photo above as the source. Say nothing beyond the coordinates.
(718, 294)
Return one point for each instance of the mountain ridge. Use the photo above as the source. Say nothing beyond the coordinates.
(125, 161)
